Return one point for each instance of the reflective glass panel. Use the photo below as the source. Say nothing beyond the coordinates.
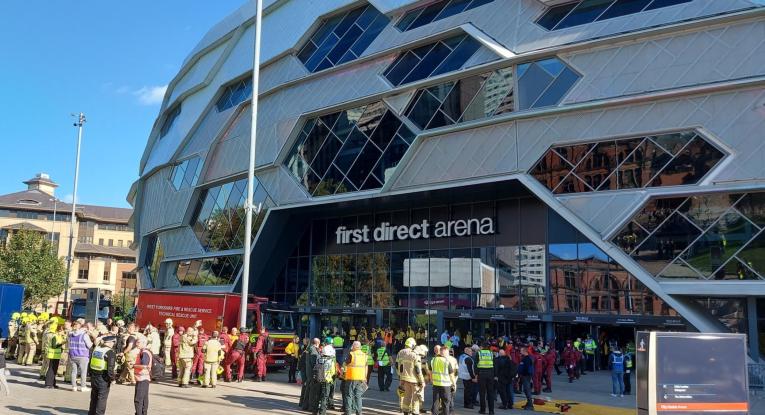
(439, 10)
(420, 63)
(587, 11)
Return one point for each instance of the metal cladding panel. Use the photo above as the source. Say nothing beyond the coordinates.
(278, 112)
(686, 59)
(462, 155)
(603, 210)
(230, 154)
(162, 204)
(199, 72)
(282, 188)
(179, 242)
(733, 118)
(280, 71)
(205, 133)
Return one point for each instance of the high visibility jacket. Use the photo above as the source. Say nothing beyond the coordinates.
(589, 346)
(186, 349)
(330, 374)
(382, 357)
(54, 347)
(485, 359)
(338, 342)
(292, 349)
(352, 334)
(441, 374)
(577, 345)
(356, 369)
(409, 366)
(628, 360)
(142, 372)
(370, 359)
(98, 360)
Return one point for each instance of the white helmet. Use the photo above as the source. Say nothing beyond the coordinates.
(328, 351)
(169, 321)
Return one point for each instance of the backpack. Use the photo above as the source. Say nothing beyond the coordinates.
(157, 369)
(269, 345)
(321, 368)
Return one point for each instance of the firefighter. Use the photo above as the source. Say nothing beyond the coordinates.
(409, 369)
(260, 352)
(550, 357)
(186, 356)
(13, 331)
(422, 351)
(539, 369)
(32, 341)
(352, 334)
(213, 353)
(236, 355)
(21, 334)
(174, 345)
(167, 343)
(101, 369)
(486, 377)
(325, 377)
(198, 364)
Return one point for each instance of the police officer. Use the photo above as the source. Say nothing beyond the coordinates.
(384, 376)
(101, 370)
(629, 358)
(486, 377)
(409, 368)
(589, 350)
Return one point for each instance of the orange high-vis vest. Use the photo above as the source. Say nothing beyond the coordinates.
(357, 368)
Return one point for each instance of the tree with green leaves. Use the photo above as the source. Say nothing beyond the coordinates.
(28, 259)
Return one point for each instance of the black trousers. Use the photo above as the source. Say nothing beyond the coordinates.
(98, 395)
(627, 383)
(442, 400)
(384, 377)
(293, 369)
(526, 386)
(467, 393)
(50, 375)
(487, 391)
(141, 397)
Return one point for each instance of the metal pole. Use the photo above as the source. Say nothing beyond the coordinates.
(78, 124)
(251, 169)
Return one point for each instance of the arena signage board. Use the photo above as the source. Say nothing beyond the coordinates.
(386, 232)
(691, 373)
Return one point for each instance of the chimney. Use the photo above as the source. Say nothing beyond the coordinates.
(43, 183)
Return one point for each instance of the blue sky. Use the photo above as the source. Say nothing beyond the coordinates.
(108, 59)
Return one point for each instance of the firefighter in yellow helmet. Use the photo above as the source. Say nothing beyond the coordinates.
(32, 340)
(409, 369)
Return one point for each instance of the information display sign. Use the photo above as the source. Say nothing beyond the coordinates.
(691, 373)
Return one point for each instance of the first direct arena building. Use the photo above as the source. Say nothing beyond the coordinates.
(531, 166)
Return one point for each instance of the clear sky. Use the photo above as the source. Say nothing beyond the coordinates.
(108, 59)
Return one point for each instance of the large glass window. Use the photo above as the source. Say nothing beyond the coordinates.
(186, 174)
(350, 150)
(540, 84)
(235, 94)
(731, 312)
(436, 11)
(432, 59)
(662, 160)
(587, 11)
(709, 236)
(154, 256)
(219, 217)
(208, 271)
(342, 38)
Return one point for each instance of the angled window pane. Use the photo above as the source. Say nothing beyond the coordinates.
(558, 89)
(234, 94)
(385, 130)
(367, 159)
(423, 108)
(191, 170)
(666, 243)
(752, 206)
(719, 243)
(440, 119)
(690, 165)
(407, 19)
(673, 142)
(342, 38)
(371, 183)
(454, 7)
(554, 15)
(401, 67)
(346, 121)
(331, 182)
(371, 117)
(326, 155)
(459, 56)
(463, 93)
(703, 210)
(178, 173)
(390, 159)
(350, 149)
(429, 63)
(435, 11)
(428, 14)
(642, 165)
(532, 84)
(169, 120)
(491, 99)
(585, 12)
(624, 7)
(313, 141)
(551, 170)
(656, 4)
(752, 255)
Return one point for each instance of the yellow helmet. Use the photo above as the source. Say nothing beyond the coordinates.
(15, 316)
(32, 318)
(43, 316)
(410, 343)
(60, 320)
(53, 326)
(24, 314)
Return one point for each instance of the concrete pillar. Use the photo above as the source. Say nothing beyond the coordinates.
(313, 325)
(549, 331)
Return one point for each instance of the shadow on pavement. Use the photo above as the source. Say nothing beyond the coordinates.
(66, 410)
(29, 411)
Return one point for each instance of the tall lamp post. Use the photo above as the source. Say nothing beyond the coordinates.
(251, 170)
(79, 123)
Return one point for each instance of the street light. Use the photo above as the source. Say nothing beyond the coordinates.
(79, 123)
(53, 226)
(251, 169)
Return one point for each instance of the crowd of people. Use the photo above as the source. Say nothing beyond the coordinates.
(488, 369)
(115, 352)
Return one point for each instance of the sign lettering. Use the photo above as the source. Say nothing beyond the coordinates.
(423, 230)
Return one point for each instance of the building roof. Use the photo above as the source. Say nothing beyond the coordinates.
(25, 225)
(81, 248)
(37, 200)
